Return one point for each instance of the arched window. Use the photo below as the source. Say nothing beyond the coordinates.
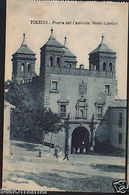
(110, 67)
(51, 61)
(29, 67)
(104, 66)
(58, 61)
(22, 67)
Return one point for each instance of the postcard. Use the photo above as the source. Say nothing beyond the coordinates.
(65, 96)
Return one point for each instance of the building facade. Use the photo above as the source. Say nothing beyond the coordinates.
(7, 140)
(88, 95)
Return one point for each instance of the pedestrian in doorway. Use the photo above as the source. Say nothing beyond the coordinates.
(91, 149)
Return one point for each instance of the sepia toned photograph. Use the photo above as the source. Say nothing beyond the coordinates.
(65, 96)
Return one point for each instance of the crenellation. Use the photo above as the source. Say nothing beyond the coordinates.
(78, 72)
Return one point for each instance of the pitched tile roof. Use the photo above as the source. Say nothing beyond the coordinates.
(68, 52)
(24, 49)
(102, 47)
(52, 42)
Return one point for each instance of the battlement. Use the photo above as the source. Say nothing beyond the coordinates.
(78, 72)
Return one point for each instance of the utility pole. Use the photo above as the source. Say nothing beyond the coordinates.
(66, 124)
(92, 127)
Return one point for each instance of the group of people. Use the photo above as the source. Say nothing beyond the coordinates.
(66, 155)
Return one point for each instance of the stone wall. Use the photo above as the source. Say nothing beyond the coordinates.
(78, 72)
(109, 128)
(68, 90)
(18, 60)
(116, 128)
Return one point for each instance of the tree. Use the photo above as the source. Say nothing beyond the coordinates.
(21, 121)
(31, 120)
(20, 96)
(46, 121)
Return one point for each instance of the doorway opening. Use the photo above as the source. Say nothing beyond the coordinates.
(80, 141)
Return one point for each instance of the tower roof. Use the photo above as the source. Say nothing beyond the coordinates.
(24, 49)
(67, 51)
(52, 41)
(102, 47)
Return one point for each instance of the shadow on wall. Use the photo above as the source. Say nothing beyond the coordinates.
(102, 138)
(106, 148)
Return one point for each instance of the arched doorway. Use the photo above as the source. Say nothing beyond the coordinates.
(80, 140)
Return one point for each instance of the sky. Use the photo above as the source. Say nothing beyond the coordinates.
(81, 39)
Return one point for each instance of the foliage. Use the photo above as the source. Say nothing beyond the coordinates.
(20, 96)
(29, 120)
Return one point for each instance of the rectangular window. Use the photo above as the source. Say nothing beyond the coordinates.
(120, 119)
(54, 85)
(100, 110)
(82, 112)
(107, 89)
(120, 138)
(63, 110)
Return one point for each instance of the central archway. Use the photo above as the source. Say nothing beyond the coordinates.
(80, 140)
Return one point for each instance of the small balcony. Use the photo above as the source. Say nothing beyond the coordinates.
(99, 116)
(83, 117)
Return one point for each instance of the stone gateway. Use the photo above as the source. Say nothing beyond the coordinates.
(89, 95)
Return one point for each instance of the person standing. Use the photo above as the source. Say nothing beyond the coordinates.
(56, 153)
(66, 155)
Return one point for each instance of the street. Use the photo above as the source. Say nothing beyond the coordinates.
(90, 173)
